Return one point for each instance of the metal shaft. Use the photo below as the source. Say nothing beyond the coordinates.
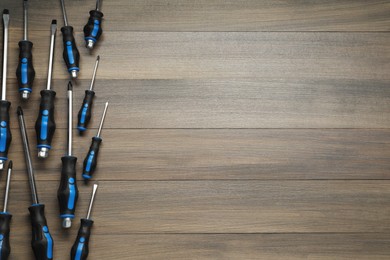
(94, 73)
(97, 5)
(7, 186)
(5, 54)
(70, 117)
(64, 12)
(102, 120)
(25, 20)
(95, 186)
(53, 32)
(27, 156)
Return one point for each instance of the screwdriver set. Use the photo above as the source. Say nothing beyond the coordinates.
(42, 241)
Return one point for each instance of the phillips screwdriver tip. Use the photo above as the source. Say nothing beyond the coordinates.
(20, 111)
(10, 165)
(5, 11)
(70, 86)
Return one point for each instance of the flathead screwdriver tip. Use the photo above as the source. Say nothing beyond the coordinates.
(5, 11)
(20, 111)
(70, 85)
(53, 21)
(98, 57)
(10, 164)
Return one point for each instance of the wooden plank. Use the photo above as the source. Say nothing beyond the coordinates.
(241, 154)
(223, 206)
(285, 56)
(216, 15)
(221, 103)
(218, 246)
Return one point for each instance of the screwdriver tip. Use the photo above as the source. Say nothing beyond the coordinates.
(20, 111)
(10, 164)
(5, 11)
(98, 57)
(70, 86)
(53, 21)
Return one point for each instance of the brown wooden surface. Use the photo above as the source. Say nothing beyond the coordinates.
(236, 130)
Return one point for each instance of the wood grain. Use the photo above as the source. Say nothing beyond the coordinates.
(216, 15)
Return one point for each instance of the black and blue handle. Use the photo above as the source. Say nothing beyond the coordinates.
(5, 248)
(25, 72)
(5, 130)
(90, 161)
(71, 54)
(45, 125)
(42, 242)
(68, 192)
(93, 29)
(80, 248)
(85, 112)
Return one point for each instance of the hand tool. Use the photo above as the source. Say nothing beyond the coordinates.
(5, 220)
(68, 193)
(25, 72)
(80, 247)
(93, 28)
(42, 243)
(90, 161)
(71, 53)
(84, 115)
(45, 125)
(5, 130)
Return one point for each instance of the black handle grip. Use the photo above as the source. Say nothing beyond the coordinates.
(80, 248)
(45, 125)
(5, 130)
(42, 243)
(93, 29)
(5, 249)
(84, 115)
(71, 53)
(25, 72)
(68, 192)
(90, 161)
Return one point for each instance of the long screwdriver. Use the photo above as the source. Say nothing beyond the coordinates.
(5, 130)
(90, 161)
(25, 72)
(80, 248)
(68, 193)
(71, 53)
(84, 115)
(93, 29)
(45, 125)
(42, 243)
(5, 220)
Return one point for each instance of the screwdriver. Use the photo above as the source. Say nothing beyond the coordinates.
(71, 53)
(25, 72)
(80, 247)
(68, 193)
(5, 130)
(93, 28)
(42, 243)
(5, 220)
(90, 161)
(84, 115)
(45, 125)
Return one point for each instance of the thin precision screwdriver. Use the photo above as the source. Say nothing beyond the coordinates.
(45, 125)
(68, 193)
(5, 130)
(80, 248)
(84, 115)
(42, 242)
(93, 29)
(90, 161)
(71, 53)
(25, 72)
(5, 220)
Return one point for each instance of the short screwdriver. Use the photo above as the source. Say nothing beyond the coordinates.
(45, 125)
(90, 161)
(68, 193)
(42, 242)
(5, 130)
(71, 53)
(25, 72)
(80, 248)
(93, 28)
(84, 115)
(5, 220)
